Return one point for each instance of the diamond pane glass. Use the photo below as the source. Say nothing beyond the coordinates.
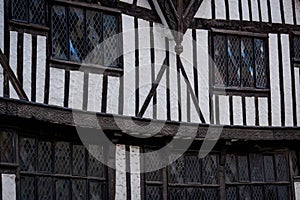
(45, 187)
(37, 14)
(270, 192)
(296, 44)
(79, 160)
(269, 168)
(244, 192)
(44, 156)
(231, 193)
(77, 35)
(210, 194)
(282, 172)
(27, 188)
(256, 167)
(27, 154)
(192, 169)
(79, 189)
(19, 10)
(233, 61)
(7, 146)
(96, 190)
(94, 38)
(260, 63)
(243, 168)
(194, 193)
(152, 161)
(231, 168)
(59, 32)
(176, 171)
(294, 160)
(62, 158)
(177, 193)
(111, 46)
(95, 166)
(247, 62)
(62, 189)
(257, 193)
(220, 60)
(210, 169)
(283, 192)
(154, 193)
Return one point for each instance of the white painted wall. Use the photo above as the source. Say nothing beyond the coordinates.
(220, 9)
(234, 10)
(113, 95)
(13, 61)
(205, 10)
(56, 91)
(264, 10)
(76, 90)
(245, 10)
(263, 111)
(173, 82)
(255, 10)
(135, 169)
(8, 186)
(237, 110)
(94, 92)
(41, 68)
(250, 111)
(27, 58)
(224, 110)
(297, 86)
(120, 173)
(143, 3)
(275, 11)
(288, 11)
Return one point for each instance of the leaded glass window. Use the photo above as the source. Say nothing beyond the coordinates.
(84, 36)
(239, 62)
(60, 170)
(7, 144)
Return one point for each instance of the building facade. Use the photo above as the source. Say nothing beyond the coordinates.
(217, 76)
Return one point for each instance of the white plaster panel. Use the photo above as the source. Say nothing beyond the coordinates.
(255, 10)
(275, 11)
(145, 81)
(41, 68)
(224, 114)
(203, 72)
(159, 50)
(13, 57)
(234, 10)
(143, 3)
(27, 52)
(127, 1)
(2, 25)
(214, 108)
(297, 86)
(120, 173)
(205, 10)
(245, 10)
(220, 9)
(287, 80)
(274, 77)
(183, 99)
(129, 65)
(135, 169)
(263, 111)
(76, 89)
(95, 92)
(264, 10)
(250, 111)
(56, 91)
(113, 95)
(288, 11)
(8, 187)
(173, 82)
(237, 110)
(1, 82)
(297, 7)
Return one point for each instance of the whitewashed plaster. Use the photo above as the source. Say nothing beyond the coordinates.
(120, 173)
(8, 187)
(135, 169)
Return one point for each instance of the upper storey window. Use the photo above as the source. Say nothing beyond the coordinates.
(240, 62)
(296, 45)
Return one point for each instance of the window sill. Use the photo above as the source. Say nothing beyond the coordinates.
(241, 91)
(91, 68)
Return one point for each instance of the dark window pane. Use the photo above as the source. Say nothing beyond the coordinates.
(231, 168)
(28, 154)
(45, 188)
(44, 156)
(79, 160)
(62, 158)
(243, 168)
(210, 169)
(220, 60)
(231, 193)
(27, 188)
(269, 168)
(62, 189)
(7, 146)
(282, 172)
(256, 167)
(192, 169)
(233, 49)
(95, 166)
(152, 161)
(60, 42)
(270, 192)
(257, 193)
(297, 47)
(79, 189)
(244, 192)
(77, 35)
(194, 193)
(176, 171)
(37, 12)
(247, 62)
(97, 191)
(153, 193)
(177, 193)
(210, 194)
(19, 10)
(94, 38)
(110, 28)
(294, 160)
(283, 192)
(261, 74)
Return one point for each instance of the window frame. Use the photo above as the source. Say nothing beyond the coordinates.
(238, 90)
(295, 61)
